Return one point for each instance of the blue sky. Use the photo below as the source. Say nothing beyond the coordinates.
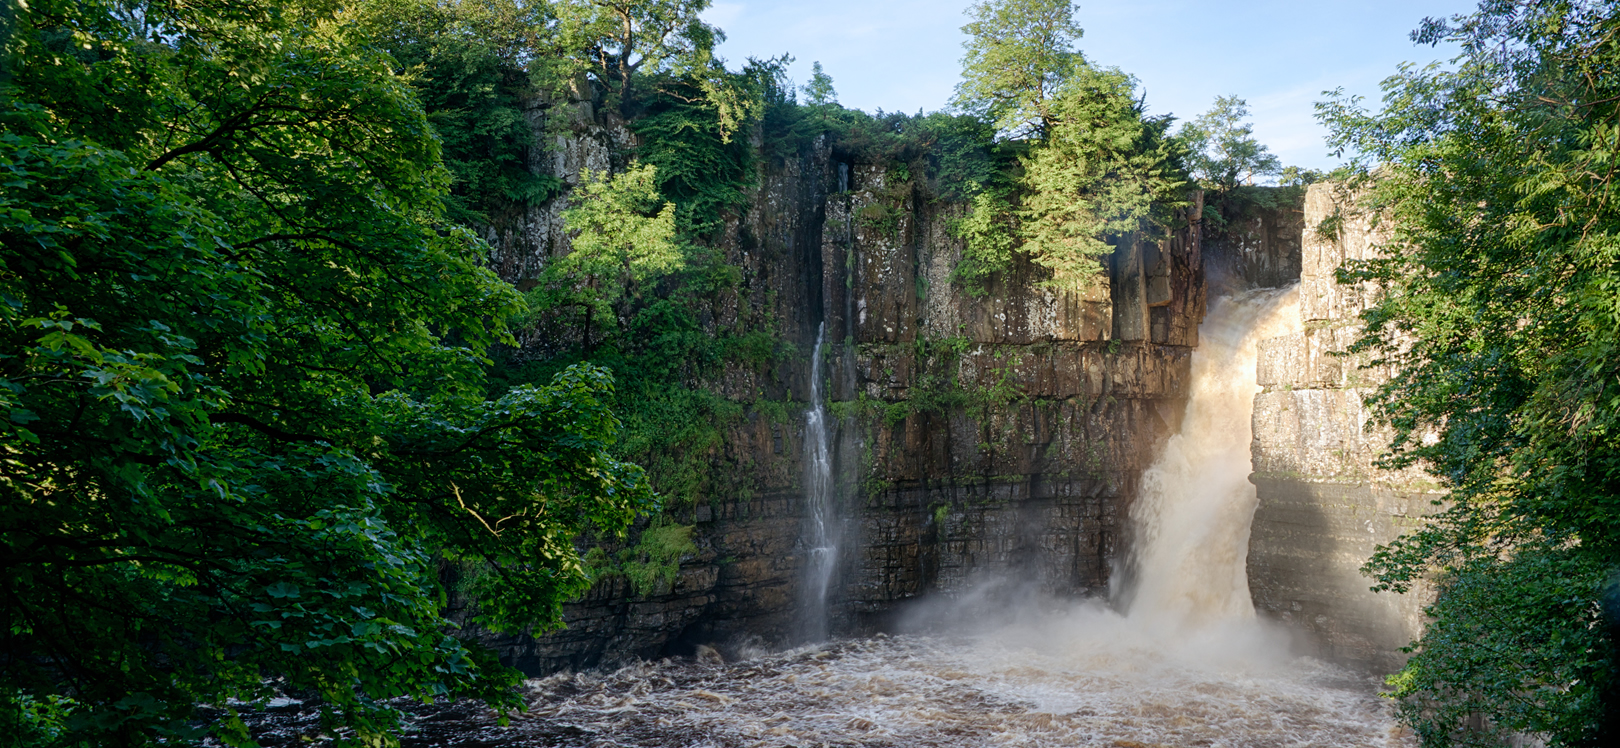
(904, 55)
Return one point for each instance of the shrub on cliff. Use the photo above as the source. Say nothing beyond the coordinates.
(241, 375)
(1501, 313)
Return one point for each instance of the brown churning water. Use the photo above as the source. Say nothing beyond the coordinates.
(1186, 664)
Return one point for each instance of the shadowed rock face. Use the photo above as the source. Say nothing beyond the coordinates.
(995, 435)
(1256, 246)
(1324, 506)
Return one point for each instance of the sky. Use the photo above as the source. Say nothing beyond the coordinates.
(905, 55)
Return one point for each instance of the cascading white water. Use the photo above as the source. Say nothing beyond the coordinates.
(819, 495)
(1191, 519)
(1188, 664)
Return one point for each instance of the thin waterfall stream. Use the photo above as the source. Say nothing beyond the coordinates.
(1179, 659)
(822, 536)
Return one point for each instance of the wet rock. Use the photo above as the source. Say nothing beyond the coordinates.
(1258, 245)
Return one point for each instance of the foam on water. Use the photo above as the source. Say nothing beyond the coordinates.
(964, 691)
(1187, 664)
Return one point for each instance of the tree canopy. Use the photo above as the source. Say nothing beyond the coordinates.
(1019, 52)
(243, 381)
(1223, 152)
(1500, 313)
(624, 235)
(469, 63)
(613, 41)
(1105, 170)
(1085, 164)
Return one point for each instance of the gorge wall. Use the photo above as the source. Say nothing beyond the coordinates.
(1252, 238)
(1324, 505)
(993, 434)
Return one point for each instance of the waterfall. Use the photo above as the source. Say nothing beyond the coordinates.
(819, 495)
(1191, 518)
(1187, 664)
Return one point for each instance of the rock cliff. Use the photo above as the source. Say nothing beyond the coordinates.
(1000, 434)
(1254, 237)
(1324, 505)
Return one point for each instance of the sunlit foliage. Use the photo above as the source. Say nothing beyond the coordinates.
(1089, 165)
(1501, 316)
(1019, 54)
(1222, 150)
(243, 385)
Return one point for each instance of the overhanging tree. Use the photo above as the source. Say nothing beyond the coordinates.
(1500, 312)
(242, 373)
(1105, 170)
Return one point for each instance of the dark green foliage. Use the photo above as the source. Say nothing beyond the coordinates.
(662, 357)
(673, 425)
(937, 389)
(466, 62)
(964, 156)
(698, 169)
(652, 564)
(953, 151)
(1496, 179)
(1247, 200)
(240, 368)
(883, 219)
(1514, 640)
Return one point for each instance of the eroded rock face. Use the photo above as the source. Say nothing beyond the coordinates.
(1324, 505)
(997, 434)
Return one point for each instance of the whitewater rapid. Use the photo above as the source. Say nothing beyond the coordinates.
(1178, 659)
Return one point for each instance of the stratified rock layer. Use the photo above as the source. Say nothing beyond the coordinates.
(1324, 505)
(977, 436)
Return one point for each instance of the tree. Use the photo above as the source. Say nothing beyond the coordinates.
(1093, 165)
(1224, 152)
(1496, 178)
(1102, 169)
(468, 62)
(1019, 52)
(819, 91)
(623, 234)
(1105, 170)
(241, 362)
(613, 41)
